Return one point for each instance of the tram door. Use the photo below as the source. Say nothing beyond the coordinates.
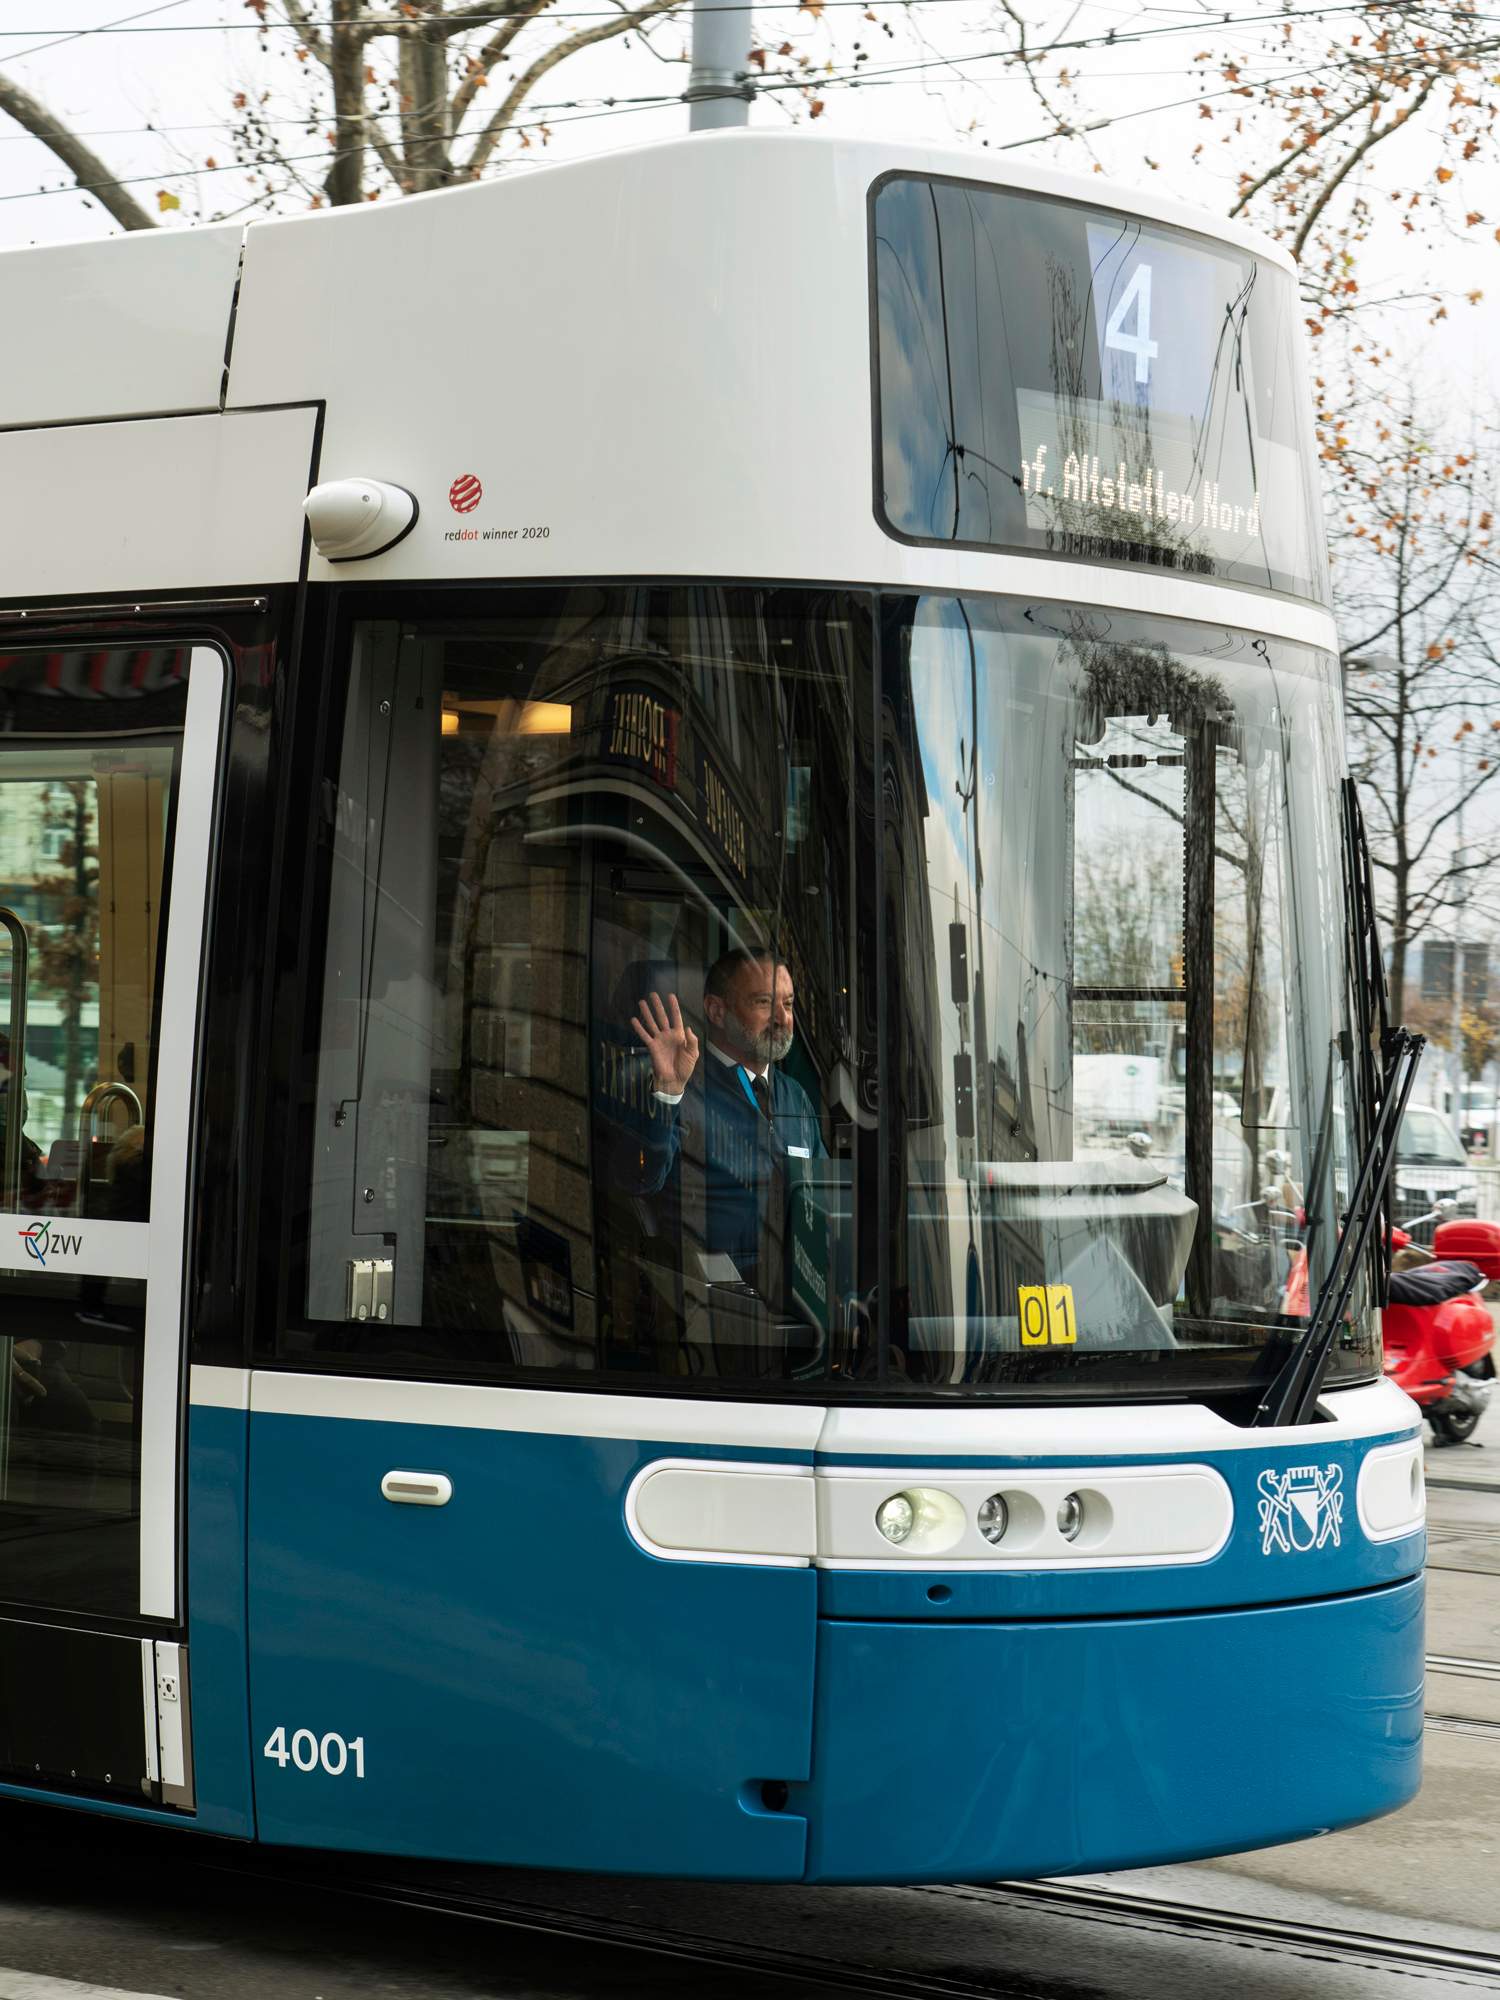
(107, 764)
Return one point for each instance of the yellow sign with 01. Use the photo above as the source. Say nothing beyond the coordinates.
(1047, 1315)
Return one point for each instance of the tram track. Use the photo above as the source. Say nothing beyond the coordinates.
(1463, 1548)
(1461, 1668)
(1451, 1667)
(1375, 1951)
(690, 1946)
(1463, 1725)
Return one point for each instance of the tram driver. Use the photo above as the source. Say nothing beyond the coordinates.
(756, 1121)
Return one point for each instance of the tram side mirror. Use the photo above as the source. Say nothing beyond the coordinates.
(353, 519)
(1139, 1143)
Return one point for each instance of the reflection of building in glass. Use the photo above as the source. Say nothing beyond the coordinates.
(84, 808)
(1095, 1066)
(80, 860)
(1434, 970)
(37, 835)
(1107, 830)
(629, 783)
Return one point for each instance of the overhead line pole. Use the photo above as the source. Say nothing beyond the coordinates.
(719, 89)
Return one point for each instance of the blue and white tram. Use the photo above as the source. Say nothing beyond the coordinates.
(877, 588)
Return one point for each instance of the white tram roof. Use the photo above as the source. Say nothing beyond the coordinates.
(659, 356)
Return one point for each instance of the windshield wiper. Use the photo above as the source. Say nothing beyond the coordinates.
(1382, 1099)
(1291, 1397)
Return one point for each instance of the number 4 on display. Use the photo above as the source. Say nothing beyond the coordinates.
(1138, 294)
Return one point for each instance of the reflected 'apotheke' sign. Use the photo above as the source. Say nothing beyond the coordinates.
(722, 819)
(641, 730)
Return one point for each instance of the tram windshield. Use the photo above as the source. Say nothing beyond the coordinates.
(806, 989)
(1123, 1122)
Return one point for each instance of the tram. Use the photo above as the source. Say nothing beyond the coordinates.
(683, 958)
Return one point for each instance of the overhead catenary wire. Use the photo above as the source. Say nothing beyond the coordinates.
(1025, 61)
(847, 77)
(1183, 23)
(619, 107)
(854, 77)
(79, 34)
(326, 156)
(304, 122)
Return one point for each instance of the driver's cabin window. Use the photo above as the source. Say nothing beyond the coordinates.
(588, 1062)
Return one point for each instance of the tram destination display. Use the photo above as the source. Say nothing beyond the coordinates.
(1065, 380)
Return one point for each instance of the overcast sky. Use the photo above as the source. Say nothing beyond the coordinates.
(175, 67)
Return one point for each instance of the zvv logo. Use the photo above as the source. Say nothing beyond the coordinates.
(1301, 1509)
(42, 1242)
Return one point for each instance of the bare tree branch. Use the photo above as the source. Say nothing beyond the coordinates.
(85, 166)
(1353, 159)
(465, 18)
(312, 40)
(526, 82)
(1290, 159)
(523, 12)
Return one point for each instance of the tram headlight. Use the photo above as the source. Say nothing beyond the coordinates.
(1070, 1516)
(896, 1517)
(993, 1518)
(922, 1521)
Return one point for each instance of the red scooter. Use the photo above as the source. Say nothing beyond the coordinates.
(1439, 1336)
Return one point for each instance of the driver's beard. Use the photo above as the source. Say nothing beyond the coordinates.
(770, 1045)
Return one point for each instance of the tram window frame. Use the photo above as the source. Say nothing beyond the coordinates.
(68, 1306)
(299, 1340)
(1125, 641)
(1086, 1378)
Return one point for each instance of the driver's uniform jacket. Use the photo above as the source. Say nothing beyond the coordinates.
(748, 1161)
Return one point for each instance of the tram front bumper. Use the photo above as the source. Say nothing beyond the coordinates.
(951, 1751)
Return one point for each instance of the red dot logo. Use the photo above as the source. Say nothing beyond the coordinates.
(465, 494)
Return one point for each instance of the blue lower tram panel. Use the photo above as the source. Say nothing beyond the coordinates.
(952, 1752)
(529, 1687)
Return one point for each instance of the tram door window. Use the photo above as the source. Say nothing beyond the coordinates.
(540, 820)
(1116, 870)
(89, 753)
